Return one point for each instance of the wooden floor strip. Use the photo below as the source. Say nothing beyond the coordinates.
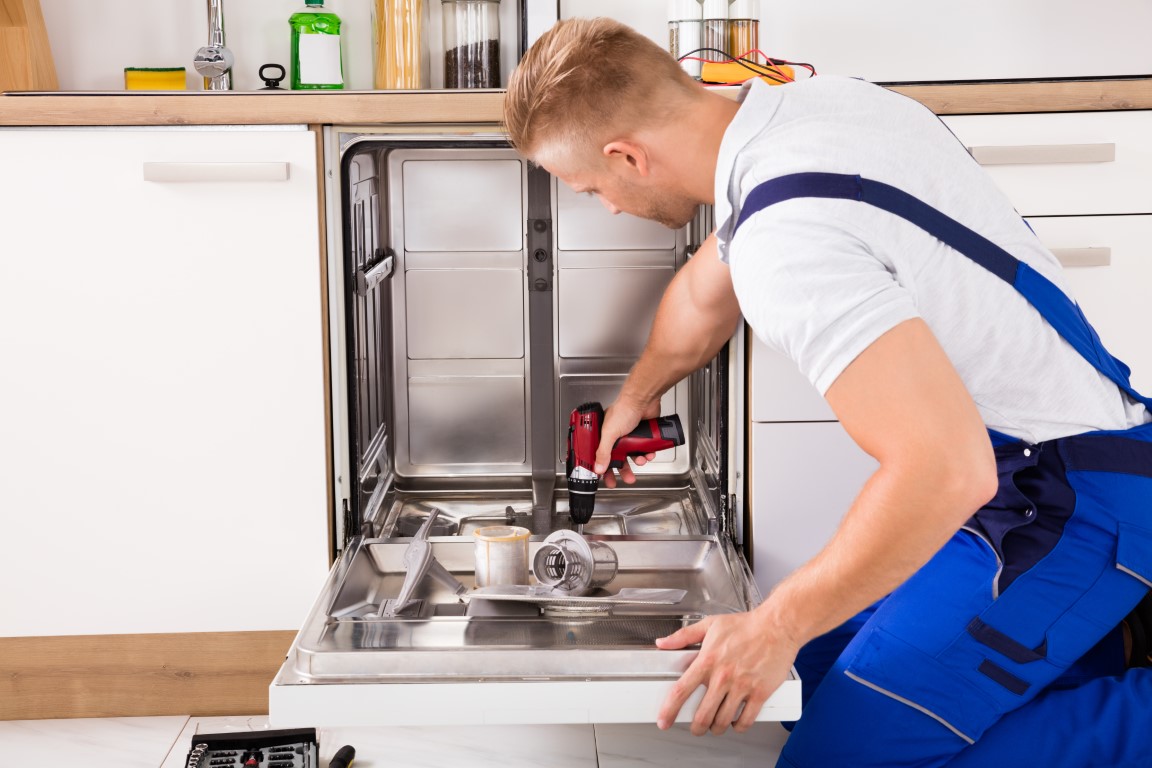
(202, 674)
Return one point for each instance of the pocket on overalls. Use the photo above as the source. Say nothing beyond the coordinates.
(896, 669)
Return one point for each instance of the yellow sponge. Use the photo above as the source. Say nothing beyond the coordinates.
(148, 79)
(733, 72)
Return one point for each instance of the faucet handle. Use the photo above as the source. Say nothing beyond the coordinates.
(213, 61)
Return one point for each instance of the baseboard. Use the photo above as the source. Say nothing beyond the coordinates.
(195, 673)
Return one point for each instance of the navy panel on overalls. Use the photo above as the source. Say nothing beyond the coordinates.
(1045, 570)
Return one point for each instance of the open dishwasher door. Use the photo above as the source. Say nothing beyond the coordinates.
(476, 302)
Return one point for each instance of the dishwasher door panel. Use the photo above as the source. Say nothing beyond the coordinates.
(529, 702)
(449, 662)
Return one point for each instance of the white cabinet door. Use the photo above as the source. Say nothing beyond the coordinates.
(161, 391)
(1113, 295)
(804, 478)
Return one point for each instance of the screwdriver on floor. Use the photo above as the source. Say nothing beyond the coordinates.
(343, 757)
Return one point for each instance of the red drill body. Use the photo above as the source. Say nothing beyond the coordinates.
(584, 438)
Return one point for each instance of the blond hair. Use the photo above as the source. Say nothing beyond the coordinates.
(585, 79)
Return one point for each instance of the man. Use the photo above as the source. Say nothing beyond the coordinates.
(970, 605)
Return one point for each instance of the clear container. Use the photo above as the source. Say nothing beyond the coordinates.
(501, 555)
(715, 30)
(471, 43)
(744, 29)
(685, 32)
(398, 27)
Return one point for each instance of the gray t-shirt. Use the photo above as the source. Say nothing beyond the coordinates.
(820, 279)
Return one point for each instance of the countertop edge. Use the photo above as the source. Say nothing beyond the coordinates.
(484, 107)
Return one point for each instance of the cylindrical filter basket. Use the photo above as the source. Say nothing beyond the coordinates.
(568, 562)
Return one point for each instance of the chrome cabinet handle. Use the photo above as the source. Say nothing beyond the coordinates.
(199, 172)
(1083, 257)
(1041, 154)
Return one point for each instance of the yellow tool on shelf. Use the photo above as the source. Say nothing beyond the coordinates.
(731, 72)
(154, 79)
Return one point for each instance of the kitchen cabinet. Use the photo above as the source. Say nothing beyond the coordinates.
(804, 470)
(163, 379)
(779, 392)
(1080, 179)
(804, 477)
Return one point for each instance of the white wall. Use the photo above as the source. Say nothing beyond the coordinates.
(900, 40)
(92, 42)
(896, 40)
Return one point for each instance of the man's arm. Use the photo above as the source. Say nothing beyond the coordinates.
(696, 316)
(902, 402)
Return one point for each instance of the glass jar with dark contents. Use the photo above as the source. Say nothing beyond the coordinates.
(471, 43)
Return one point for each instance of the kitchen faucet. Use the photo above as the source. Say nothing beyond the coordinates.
(214, 61)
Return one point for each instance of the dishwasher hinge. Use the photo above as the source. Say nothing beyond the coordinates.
(351, 524)
(372, 274)
(728, 516)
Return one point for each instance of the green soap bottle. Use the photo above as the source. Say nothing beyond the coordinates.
(316, 60)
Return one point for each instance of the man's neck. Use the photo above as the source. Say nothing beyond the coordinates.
(697, 136)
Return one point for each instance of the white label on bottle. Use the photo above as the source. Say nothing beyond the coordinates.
(320, 60)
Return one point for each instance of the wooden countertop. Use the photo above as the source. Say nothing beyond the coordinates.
(483, 107)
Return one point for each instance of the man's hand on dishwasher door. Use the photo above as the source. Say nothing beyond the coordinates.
(743, 659)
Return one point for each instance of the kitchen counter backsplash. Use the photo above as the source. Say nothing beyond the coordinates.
(908, 40)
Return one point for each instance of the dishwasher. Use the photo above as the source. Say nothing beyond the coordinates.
(474, 302)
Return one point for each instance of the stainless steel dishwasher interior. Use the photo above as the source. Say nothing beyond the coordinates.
(469, 344)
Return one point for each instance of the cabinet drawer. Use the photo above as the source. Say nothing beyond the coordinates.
(1114, 296)
(1058, 164)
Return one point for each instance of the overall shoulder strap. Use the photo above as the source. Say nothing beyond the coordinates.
(1054, 305)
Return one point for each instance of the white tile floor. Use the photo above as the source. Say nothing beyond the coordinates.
(163, 742)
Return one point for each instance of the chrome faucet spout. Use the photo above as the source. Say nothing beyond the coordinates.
(215, 22)
(214, 61)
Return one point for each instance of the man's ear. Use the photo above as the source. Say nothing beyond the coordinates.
(629, 153)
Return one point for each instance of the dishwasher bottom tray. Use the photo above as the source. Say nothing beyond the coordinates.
(479, 661)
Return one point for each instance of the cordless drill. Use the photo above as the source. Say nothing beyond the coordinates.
(584, 438)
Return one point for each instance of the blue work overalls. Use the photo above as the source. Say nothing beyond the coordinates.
(1004, 649)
